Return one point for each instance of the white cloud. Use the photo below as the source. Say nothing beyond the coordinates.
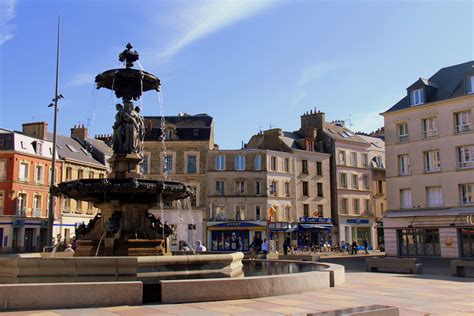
(81, 79)
(197, 19)
(316, 71)
(7, 13)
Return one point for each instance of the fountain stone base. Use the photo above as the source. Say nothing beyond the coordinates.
(124, 229)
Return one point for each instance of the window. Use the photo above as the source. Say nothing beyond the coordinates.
(193, 198)
(344, 203)
(169, 135)
(429, 127)
(39, 148)
(355, 181)
(239, 162)
(467, 193)
(257, 213)
(168, 164)
(304, 166)
(405, 198)
(80, 174)
(354, 159)
(195, 132)
(3, 169)
(319, 186)
(101, 176)
(402, 132)
(367, 206)
(68, 173)
(37, 206)
(258, 187)
(378, 161)
(71, 148)
(258, 163)
(434, 196)
(220, 188)
(287, 189)
(38, 174)
(417, 97)
(343, 180)
(21, 211)
(2, 202)
(305, 188)
(90, 207)
(380, 186)
(239, 213)
(431, 161)
(319, 168)
(341, 157)
(470, 84)
(466, 157)
(356, 206)
(239, 187)
(191, 164)
(273, 163)
(365, 180)
(462, 121)
(91, 175)
(306, 210)
(23, 171)
(320, 210)
(403, 165)
(418, 242)
(67, 205)
(219, 162)
(287, 164)
(365, 160)
(273, 188)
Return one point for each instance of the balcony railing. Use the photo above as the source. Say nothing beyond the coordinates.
(465, 164)
(430, 133)
(463, 128)
(36, 212)
(21, 212)
(343, 211)
(402, 138)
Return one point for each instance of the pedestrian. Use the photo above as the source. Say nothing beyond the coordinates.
(265, 246)
(200, 247)
(74, 244)
(366, 246)
(286, 244)
(354, 247)
(239, 244)
(256, 244)
(69, 248)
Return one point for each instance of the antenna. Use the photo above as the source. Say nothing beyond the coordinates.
(270, 125)
(349, 121)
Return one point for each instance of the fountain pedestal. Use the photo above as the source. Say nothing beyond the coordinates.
(125, 166)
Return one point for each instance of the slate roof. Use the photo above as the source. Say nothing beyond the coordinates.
(342, 133)
(184, 124)
(449, 83)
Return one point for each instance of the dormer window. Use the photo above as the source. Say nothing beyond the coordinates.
(417, 97)
(470, 84)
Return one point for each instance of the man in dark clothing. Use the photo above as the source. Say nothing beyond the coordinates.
(256, 244)
(286, 244)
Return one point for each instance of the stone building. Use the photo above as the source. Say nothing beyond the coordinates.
(355, 161)
(298, 186)
(430, 167)
(182, 156)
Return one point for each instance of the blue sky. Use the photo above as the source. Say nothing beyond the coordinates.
(248, 64)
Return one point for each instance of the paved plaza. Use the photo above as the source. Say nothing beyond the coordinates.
(427, 294)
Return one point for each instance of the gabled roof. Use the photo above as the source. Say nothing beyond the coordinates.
(70, 149)
(342, 133)
(183, 124)
(449, 83)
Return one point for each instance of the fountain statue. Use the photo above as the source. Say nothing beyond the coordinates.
(124, 226)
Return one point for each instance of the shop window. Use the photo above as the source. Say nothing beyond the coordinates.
(418, 242)
(466, 238)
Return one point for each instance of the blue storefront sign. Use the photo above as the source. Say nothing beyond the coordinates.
(236, 224)
(357, 221)
(319, 220)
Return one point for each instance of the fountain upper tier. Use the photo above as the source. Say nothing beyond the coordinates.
(127, 83)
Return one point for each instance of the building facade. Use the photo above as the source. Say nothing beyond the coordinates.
(430, 167)
(176, 149)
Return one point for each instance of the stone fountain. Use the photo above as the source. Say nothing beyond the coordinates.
(124, 227)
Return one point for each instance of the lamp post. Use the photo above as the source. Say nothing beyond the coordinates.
(53, 170)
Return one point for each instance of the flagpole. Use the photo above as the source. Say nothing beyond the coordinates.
(53, 168)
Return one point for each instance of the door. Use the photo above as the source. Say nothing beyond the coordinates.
(29, 239)
(16, 233)
(42, 238)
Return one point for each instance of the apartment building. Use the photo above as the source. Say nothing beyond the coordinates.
(25, 163)
(430, 167)
(176, 149)
(299, 201)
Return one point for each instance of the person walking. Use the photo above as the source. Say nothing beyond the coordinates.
(354, 247)
(265, 246)
(366, 246)
(286, 244)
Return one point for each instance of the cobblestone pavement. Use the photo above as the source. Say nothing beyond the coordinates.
(425, 294)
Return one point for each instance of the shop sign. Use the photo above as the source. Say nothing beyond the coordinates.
(357, 221)
(315, 220)
(236, 224)
(18, 223)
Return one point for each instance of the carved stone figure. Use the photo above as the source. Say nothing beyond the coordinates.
(129, 130)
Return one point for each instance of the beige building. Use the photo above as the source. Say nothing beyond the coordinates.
(430, 167)
(181, 157)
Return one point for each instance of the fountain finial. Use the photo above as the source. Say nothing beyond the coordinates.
(128, 56)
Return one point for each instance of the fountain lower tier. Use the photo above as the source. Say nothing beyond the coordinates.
(124, 227)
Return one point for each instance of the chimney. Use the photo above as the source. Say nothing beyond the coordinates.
(79, 132)
(36, 129)
(312, 119)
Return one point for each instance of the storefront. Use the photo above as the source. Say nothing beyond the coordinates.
(314, 231)
(234, 236)
(419, 242)
(358, 229)
(466, 237)
(22, 235)
(278, 231)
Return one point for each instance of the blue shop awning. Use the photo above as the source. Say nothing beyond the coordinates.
(314, 226)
